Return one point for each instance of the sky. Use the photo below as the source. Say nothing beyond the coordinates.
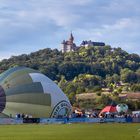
(30, 25)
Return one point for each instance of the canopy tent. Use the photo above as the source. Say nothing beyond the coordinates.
(110, 109)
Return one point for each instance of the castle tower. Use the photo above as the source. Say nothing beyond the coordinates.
(71, 39)
(68, 45)
(63, 46)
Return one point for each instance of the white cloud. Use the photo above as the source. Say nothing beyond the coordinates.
(80, 2)
(119, 25)
(33, 24)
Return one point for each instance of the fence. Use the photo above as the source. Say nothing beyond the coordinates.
(66, 120)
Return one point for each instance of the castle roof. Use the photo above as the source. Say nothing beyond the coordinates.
(71, 37)
(70, 41)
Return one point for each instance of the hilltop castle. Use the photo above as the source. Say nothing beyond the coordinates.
(70, 46)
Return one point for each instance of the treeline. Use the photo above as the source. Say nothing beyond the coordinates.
(88, 69)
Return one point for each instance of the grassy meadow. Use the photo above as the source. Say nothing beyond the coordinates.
(70, 132)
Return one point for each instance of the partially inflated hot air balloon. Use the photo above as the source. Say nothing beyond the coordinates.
(122, 108)
(24, 90)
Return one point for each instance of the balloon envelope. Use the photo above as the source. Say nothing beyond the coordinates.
(122, 108)
(24, 90)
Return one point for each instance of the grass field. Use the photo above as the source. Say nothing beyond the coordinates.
(70, 132)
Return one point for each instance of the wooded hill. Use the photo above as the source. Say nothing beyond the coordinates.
(86, 70)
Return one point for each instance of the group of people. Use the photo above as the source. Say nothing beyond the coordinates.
(19, 116)
(96, 114)
(83, 114)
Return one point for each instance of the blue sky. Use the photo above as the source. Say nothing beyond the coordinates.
(30, 25)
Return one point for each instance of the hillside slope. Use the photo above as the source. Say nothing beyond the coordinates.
(86, 70)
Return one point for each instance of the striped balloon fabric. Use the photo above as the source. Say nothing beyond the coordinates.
(27, 91)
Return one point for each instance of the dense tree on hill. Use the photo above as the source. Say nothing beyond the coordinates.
(101, 61)
(85, 70)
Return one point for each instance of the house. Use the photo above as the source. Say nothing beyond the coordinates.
(91, 43)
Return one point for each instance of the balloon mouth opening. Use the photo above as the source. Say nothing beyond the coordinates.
(2, 99)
